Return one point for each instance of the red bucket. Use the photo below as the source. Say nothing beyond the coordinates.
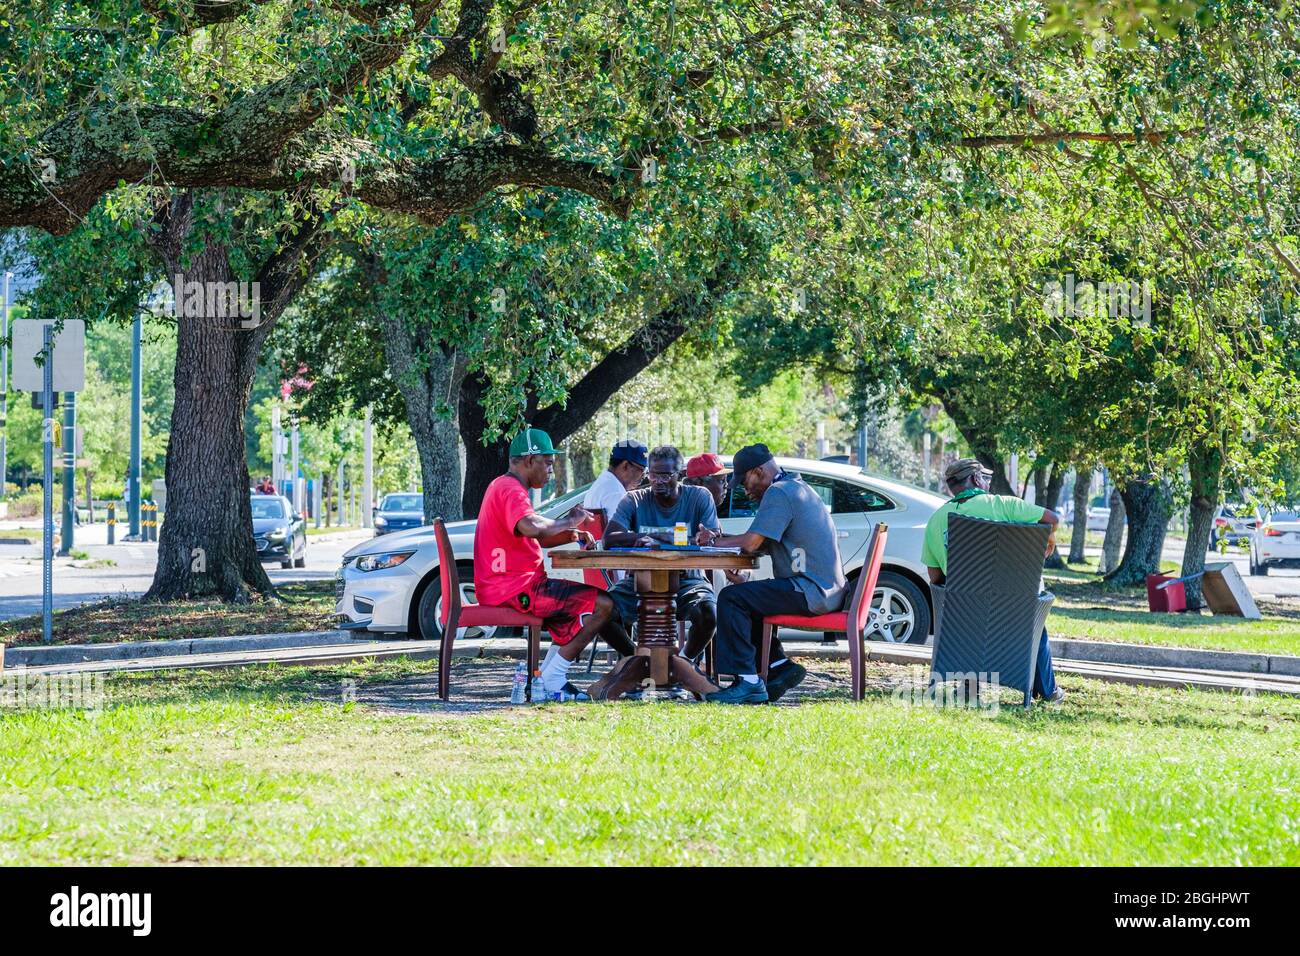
(1166, 593)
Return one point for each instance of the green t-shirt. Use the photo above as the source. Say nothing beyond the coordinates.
(934, 550)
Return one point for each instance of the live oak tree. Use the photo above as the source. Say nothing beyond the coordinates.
(226, 140)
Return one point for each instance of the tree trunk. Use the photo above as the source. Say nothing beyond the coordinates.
(1050, 498)
(427, 379)
(1206, 466)
(1110, 545)
(1147, 506)
(1079, 530)
(205, 546)
(581, 470)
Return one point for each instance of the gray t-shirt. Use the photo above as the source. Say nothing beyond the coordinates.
(802, 542)
(640, 512)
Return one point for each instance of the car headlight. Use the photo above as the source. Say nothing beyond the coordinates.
(382, 562)
(277, 534)
(381, 522)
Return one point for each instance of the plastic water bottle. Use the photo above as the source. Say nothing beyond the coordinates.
(680, 536)
(517, 684)
(539, 689)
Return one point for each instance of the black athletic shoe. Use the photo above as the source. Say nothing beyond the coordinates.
(783, 678)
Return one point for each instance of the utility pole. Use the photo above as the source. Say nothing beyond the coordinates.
(277, 449)
(133, 469)
(47, 489)
(293, 468)
(4, 394)
(69, 472)
(339, 481)
(367, 473)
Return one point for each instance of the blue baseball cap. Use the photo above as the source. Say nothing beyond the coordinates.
(631, 450)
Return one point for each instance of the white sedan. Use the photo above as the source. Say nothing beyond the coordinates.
(391, 585)
(1277, 542)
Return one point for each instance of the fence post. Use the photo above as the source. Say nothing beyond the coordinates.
(112, 523)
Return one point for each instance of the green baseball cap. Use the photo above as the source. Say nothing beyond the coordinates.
(532, 441)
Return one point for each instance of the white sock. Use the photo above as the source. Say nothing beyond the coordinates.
(555, 673)
(748, 678)
(777, 663)
(550, 653)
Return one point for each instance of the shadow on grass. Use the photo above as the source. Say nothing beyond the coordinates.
(298, 606)
(407, 686)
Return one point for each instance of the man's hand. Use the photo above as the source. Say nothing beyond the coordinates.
(736, 577)
(645, 541)
(704, 537)
(578, 515)
(1051, 543)
(585, 539)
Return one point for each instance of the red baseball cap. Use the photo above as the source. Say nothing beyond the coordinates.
(702, 466)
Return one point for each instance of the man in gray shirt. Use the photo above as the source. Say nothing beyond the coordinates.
(647, 518)
(794, 526)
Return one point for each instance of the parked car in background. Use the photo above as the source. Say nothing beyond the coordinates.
(399, 512)
(1098, 518)
(1276, 544)
(279, 532)
(1233, 523)
(392, 586)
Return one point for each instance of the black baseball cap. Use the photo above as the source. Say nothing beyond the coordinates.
(748, 458)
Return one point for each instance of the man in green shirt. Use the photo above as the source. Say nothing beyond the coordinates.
(968, 482)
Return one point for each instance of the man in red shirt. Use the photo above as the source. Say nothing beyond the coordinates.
(509, 570)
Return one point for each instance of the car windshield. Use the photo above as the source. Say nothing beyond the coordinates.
(1285, 516)
(403, 503)
(264, 507)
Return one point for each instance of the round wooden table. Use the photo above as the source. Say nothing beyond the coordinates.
(657, 573)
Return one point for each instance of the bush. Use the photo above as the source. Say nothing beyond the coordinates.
(26, 506)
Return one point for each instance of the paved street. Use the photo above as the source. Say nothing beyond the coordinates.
(131, 570)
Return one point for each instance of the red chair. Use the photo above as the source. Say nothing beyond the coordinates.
(596, 525)
(455, 616)
(851, 622)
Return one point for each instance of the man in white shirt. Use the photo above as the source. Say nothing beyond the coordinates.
(627, 465)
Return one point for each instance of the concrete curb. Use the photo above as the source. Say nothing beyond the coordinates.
(137, 650)
(1184, 658)
(1248, 684)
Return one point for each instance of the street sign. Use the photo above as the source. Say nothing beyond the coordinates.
(69, 355)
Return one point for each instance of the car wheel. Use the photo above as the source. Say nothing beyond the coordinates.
(429, 613)
(285, 565)
(899, 611)
(1262, 570)
(300, 561)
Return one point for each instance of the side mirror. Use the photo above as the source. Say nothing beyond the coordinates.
(296, 516)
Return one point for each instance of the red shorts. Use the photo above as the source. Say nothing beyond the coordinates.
(562, 605)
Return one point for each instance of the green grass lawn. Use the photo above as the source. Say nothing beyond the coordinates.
(305, 606)
(1084, 609)
(336, 529)
(267, 765)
